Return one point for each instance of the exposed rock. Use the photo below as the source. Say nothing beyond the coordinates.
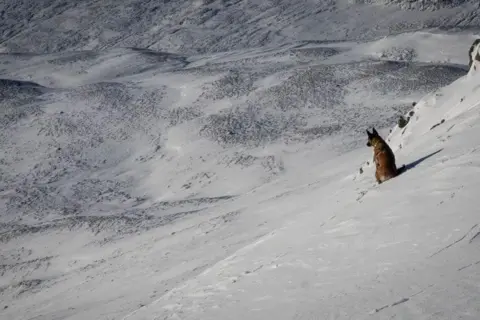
(473, 53)
(402, 122)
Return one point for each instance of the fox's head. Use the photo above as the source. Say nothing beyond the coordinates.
(373, 138)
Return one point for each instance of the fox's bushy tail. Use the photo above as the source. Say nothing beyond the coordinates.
(401, 170)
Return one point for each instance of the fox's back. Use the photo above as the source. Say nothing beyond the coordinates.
(385, 160)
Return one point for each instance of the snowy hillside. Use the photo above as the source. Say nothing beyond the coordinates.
(206, 26)
(350, 249)
(207, 160)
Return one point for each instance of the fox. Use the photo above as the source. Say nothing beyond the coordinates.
(383, 158)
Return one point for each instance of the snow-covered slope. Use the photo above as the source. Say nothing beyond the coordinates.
(315, 240)
(145, 184)
(407, 249)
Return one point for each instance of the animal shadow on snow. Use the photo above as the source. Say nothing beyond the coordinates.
(415, 163)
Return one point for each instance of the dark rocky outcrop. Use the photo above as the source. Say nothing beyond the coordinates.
(471, 54)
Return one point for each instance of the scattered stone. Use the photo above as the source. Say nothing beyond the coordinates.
(402, 122)
(436, 125)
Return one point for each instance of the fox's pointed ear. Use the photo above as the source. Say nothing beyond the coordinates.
(368, 133)
(375, 133)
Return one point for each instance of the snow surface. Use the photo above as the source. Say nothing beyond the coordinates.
(206, 26)
(175, 182)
